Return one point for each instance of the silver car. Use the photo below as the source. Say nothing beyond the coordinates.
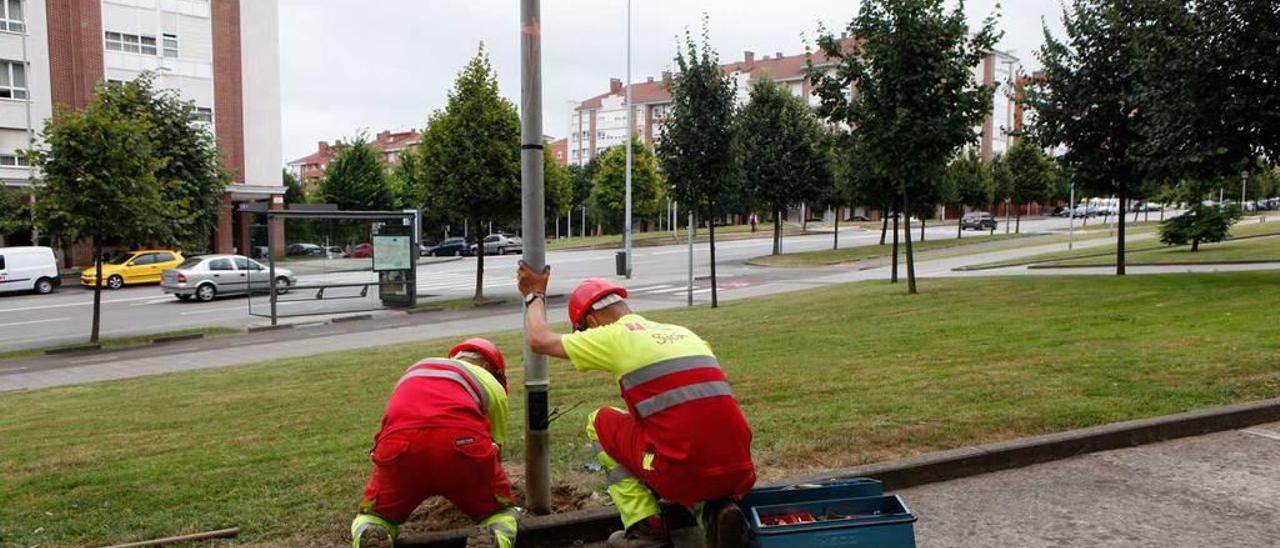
(499, 244)
(208, 276)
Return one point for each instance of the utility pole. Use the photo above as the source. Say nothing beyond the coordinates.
(631, 131)
(537, 382)
(1244, 185)
(691, 258)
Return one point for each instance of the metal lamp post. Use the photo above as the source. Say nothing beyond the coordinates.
(631, 120)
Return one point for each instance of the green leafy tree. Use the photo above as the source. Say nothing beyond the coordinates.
(190, 172)
(696, 150)
(356, 180)
(1201, 222)
(917, 102)
(581, 178)
(100, 183)
(470, 156)
(15, 211)
(557, 185)
(969, 183)
(1090, 100)
(608, 193)
(781, 152)
(293, 193)
(1030, 176)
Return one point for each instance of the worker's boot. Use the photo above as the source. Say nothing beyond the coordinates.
(482, 538)
(368, 531)
(725, 525)
(650, 533)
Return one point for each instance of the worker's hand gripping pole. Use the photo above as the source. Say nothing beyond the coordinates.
(536, 380)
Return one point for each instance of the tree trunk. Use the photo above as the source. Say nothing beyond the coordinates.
(97, 290)
(894, 277)
(911, 259)
(777, 230)
(835, 234)
(1195, 245)
(1017, 228)
(884, 225)
(1007, 217)
(711, 238)
(479, 271)
(1135, 216)
(1146, 215)
(1120, 239)
(960, 226)
(922, 223)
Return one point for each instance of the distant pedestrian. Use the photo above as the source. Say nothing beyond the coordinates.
(755, 221)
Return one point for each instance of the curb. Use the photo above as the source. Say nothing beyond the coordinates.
(268, 327)
(1214, 263)
(933, 467)
(177, 338)
(357, 317)
(73, 349)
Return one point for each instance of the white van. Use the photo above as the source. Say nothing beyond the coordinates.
(28, 269)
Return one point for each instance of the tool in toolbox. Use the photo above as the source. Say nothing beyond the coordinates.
(837, 512)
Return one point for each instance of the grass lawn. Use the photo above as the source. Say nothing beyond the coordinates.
(656, 238)
(832, 377)
(1099, 254)
(125, 342)
(1252, 249)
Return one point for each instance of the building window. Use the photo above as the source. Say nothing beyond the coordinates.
(133, 43)
(13, 160)
(13, 80)
(170, 45)
(204, 115)
(11, 16)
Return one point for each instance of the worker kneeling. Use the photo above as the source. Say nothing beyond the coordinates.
(682, 436)
(441, 436)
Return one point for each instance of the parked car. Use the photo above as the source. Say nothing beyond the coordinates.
(1061, 211)
(979, 220)
(453, 247)
(304, 250)
(499, 244)
(362, 251)
(132, 267)
(28, 269)
(208, 276)
(858, 219)
(334, 252)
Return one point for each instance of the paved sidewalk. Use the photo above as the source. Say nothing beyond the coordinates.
(1219, 490)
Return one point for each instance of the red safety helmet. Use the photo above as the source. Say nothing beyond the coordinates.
(490, 351)
(587, 293)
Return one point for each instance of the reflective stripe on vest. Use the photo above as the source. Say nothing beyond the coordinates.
(684, 394)
(454, 371)
(667, 367)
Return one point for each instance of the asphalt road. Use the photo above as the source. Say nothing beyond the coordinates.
(35, 321)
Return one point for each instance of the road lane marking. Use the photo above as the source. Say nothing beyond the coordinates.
(31, 322)
(13, 369)
(215, 310)
(650, 288)
(66, 305)
(672, 290)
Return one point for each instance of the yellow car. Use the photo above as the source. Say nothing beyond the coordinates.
(133, 267)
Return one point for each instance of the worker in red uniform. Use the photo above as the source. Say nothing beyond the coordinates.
(682, 437)
(442, 435)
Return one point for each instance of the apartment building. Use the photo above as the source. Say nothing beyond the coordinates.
(390, 146)
(223, 55)
(600, 122)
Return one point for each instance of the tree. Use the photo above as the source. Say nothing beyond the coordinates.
(969, 183)
(293, 193)
(1201, 222)
(1090, 100)
(100, 183)
(917, 102)
(780, 151)
(190, 172)
(470, 155)
(355, 180)
(557, 184)
(1030, 176)
(581, 179)
(608, 191)
(696, 149)
(15, 211)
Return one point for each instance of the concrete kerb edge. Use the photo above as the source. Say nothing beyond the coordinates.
(936, 467)
(1185, 263)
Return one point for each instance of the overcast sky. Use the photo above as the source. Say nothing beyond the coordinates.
(387, 64)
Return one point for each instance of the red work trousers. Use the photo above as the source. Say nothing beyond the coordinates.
(412, 465)
(626, 441)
